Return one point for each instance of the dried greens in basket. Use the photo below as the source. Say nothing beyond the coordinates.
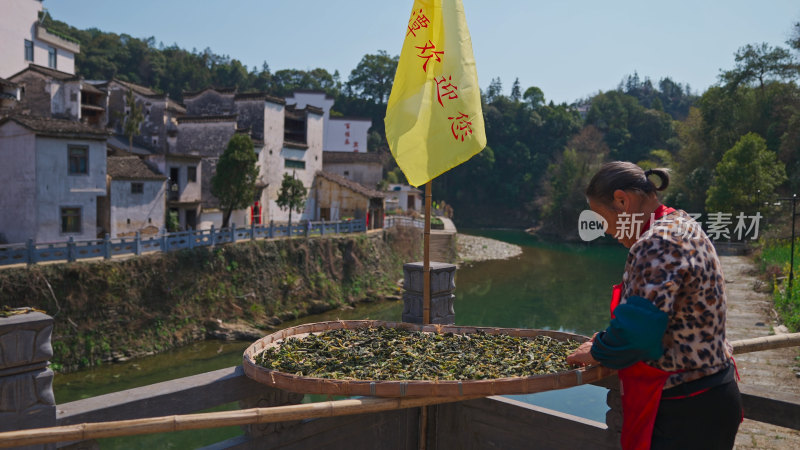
(394, 354)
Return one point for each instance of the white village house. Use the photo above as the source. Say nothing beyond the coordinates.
(136, 194)
(45, 108)
(53, 173)
(25, 41)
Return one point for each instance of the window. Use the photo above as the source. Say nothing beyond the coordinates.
(294, 164)
(137, 188)
(70, 220)
(52, 58)
(191, 174)
(28, 50)
(78, 160)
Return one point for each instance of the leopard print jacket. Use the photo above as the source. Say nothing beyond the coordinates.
(675, 266)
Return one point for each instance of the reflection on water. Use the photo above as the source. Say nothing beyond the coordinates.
(551, 286)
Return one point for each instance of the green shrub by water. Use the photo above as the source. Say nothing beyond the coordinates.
(774, 262)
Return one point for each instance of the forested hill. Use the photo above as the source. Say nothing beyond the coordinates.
(730, 147)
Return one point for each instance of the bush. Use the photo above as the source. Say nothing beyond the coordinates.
(774, 262)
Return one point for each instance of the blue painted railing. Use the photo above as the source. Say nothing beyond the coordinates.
(72, 250)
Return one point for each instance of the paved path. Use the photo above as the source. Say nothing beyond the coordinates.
(750, 315)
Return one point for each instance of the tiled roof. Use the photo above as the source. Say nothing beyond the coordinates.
(315, 110)
(207, 119)
(87, 87)
(4, 82)
(52, 73)
(227, 91)
(130, 168)
(259, 96)
(352, 119)
(139, 89)
(299, 113)
(353, 157)
(349, 184)
(172, 105)
(49, 127)
(121, 142)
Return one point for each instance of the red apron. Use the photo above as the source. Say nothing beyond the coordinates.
(640, 384)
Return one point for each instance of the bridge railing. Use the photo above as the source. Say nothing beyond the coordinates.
(107, 248)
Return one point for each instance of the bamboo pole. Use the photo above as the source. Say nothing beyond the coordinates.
(98, 430)
(766, 343)
(426, 259)
(426, 302)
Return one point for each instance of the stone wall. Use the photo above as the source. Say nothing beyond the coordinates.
(26, 384)
(36, 98)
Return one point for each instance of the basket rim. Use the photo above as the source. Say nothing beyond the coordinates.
(414, 388)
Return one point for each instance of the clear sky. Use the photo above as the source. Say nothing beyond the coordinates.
(569, 48)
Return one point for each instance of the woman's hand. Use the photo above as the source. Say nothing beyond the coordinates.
(583, 355)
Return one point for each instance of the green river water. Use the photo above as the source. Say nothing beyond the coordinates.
(551, 286)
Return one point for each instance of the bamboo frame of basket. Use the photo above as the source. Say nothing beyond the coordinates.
(415, 388)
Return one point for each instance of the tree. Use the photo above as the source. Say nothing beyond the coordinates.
(292, 195)
(516, 91)
(534, 96)
(373, 77)
(759, 63)
(234, 183)
(749, 166)
(133, 119)
(494, 91)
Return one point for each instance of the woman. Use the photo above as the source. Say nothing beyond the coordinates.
(667, 333)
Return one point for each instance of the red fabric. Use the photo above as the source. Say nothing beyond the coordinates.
(641, 385)
(660, 212)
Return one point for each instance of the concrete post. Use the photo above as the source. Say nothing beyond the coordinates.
(31, 252)
(443, 283)
(614, 414)
(106, 246)
(71, 249)
(25, 381)
(138, 246)
(265, 398)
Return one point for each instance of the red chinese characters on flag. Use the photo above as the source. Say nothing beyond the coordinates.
(460, 126)
(418, 20)
(427, 58)
(445, 89)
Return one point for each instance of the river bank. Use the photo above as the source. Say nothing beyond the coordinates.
(751, 314)
(478, 248)
(112, 311)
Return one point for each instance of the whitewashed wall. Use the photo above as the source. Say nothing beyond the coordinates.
(142, 210)
(56, 188)
(347, 135)
(18, 172)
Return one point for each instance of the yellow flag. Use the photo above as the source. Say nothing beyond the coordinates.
(434, 120)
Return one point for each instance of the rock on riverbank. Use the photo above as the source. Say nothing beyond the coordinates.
(478, 248)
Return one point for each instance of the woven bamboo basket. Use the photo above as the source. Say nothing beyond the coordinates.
(418, 388)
